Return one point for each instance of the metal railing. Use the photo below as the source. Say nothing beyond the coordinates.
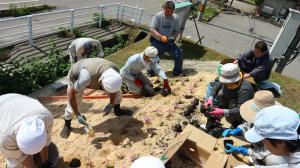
(27, 28)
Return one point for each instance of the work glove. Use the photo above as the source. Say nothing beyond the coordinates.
(209, 102)
(234, 132)
(164, 39)
(81, 119)
(166, 89)
(237, 149)
(138, 82)
(47, 164)
(217, 112)
(108, 108)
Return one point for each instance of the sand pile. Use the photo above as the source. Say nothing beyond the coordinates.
(120, 140)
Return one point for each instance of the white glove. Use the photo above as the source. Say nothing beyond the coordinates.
(108, 108)
(244, 166)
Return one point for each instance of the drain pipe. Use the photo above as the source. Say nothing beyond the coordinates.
(201, 10)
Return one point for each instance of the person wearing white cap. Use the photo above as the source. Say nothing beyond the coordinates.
(25, 130)
(147, 162)
(258, 154)
(93, 73)
(83, 47)
(277, 127)
(232, 91)
(135, 80)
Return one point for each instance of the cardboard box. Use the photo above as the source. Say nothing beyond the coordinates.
(201, 148)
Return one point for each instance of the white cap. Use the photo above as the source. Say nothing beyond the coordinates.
(31, 136)
(111, 80)
(152, 53)
(274, 122)
(230, 73)
(147, 162)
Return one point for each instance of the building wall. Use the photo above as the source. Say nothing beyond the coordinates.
(278, 4)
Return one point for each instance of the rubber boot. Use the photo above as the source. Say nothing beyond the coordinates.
(65, 132)
(118, 111)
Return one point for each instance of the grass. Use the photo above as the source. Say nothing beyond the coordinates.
(291, 91)
(209, 13)
(23, 10)
(290, 86)
(190, 51)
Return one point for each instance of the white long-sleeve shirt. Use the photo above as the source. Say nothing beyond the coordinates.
(76, 48)
(136, 63)
(14, 108)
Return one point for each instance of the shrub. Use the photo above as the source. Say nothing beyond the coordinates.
(96, 19)
(258, 2)
(35, 74)
(14, 10)
(64, 33)
(121, 43)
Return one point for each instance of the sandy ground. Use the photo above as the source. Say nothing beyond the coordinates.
(120, 140)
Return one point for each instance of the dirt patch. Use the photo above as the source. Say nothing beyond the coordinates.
(118, 141)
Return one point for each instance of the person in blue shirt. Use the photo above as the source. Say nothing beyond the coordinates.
(256, 63)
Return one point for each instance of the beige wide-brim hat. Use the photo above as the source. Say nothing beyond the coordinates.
(261, 99)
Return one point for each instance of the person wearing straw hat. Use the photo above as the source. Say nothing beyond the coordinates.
(83, 47)
(232, 91)
(97, 74)
(25, 130)
(248, 110)
(135, 80)
(277, 128)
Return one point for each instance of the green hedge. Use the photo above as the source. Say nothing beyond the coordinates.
(23, 10)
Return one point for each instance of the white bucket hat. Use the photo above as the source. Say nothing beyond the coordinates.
(230, 73)
(31, 136)
(111, 80)
(152, 53)
(147, 162)
(261, 99)
(275, 122)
